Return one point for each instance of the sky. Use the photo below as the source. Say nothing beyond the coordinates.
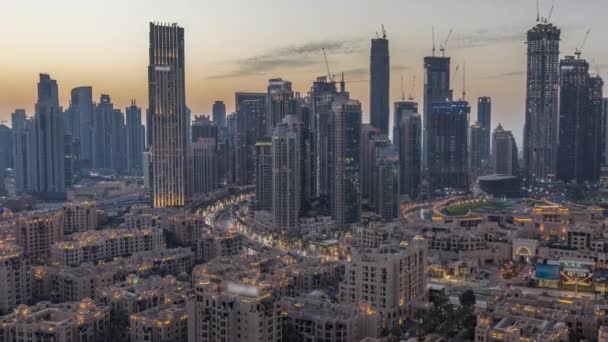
(237, 45)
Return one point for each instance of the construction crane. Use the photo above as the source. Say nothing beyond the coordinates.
(550, 13)
(433, 40)
(444, 45)
(537, 11)
(411, 94)
(579, 49)
(455, 73)
(383, 32)
(464, 81)
(329, 75)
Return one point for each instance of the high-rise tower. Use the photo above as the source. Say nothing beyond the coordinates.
(484, 118)
(82, 107)
(541, 127)
(219, 114)
(504, 152)
(135, 140)
(379, 84)
(409, 146)
(436, 91)
(167, 107)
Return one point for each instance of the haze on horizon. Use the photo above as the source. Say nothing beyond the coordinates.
(237, 45)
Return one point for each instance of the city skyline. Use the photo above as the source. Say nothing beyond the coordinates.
(223, 61)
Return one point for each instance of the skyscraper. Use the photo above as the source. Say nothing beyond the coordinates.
(379, 84)
(386, 182)
(202, 167)
(108, 148)
(367, 141)
(25, 152)
(263, 175)
(135, 140)
(504, 152)
(476, 148)
(50, 138)
(541, 127)
(286, 174)
(580, 120)
(346, 170)
(484, 118)
(280, 103)
(219, 113)
(448, 146)
(82, 107)
(408, 138)
(436, 91)
(605, 132)
(167, 106)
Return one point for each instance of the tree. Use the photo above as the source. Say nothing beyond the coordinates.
(467, 299)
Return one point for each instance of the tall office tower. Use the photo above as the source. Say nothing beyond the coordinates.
(318, 133)
(25, 152)
(6, 147)
(402, 108)
(541, 127)
(579, 152)
(119, 161)
(476, 147)
(484, 118)
(280, 103)
(379, 84)
(219, 114)
(386, 182)
(263, 175)
(410, 153)
(135, 140)
(247, 134)
(15, 277)
(376, 141)
(82, 108)
(49, 135)
(448, 157)
(604, 132)
(504, 152)
(167, 101)
(286, 174)
(106, 135)
(202, 167)
(397, 282)
(240, 98)
(436, 91)
(202, 127)
(345, 198)
(230, 140)
(368, 133)
(71, 149)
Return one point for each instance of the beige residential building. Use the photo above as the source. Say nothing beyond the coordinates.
(217, 243)
(164, 261)
(79, 217)
(514, 328)
(187, 228)
(36, 233)
(15, 277)
(159, 324)
(106, 244)
(65, 322)
(389, 278)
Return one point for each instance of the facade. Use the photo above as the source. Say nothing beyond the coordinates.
(263, 175)
(159, 324)
(504, 152)
(605, 134)
(436, 90)
(219, 114)
(83, 110)
(389, 278)
(15, 277)
(541, 126)
(476, 149)
(280, 103)
(105, 244)
(379, 84)
(135, 134)
(345, 151)
(386, 182)
(167, 108)
(484, 118)
(409, 144)
(286, 174)
(448, 147)
(202, 167)
(36, 234)
(25, 152)
(79, 217)
(49, 136)
(368, 141)
(108, 151)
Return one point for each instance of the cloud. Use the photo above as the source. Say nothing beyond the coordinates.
(292, 56)
(507, 74)
(488, 37)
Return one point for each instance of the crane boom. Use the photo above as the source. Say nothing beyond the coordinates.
(329, 75)
(579, 49)
(383, 32)
(444, 45)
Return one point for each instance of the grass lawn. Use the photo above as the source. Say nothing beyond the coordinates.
(463, 209)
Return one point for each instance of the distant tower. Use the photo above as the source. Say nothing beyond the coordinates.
(368, 141)
(408, 138)
(286, 174)
(605, 132)
(484, 118)
(166, 84)
(202, 167)
(436, 91)
(135, 140)
(50, 137)
(263, 175)
(219, 114)
(386, 178)
(476, 148)
(504, 152)
(280, 103)
(579, 152)
(25, 152)
(82, 107)
(541, 127)
(346, 131)
(447, 164)
(379, 84)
